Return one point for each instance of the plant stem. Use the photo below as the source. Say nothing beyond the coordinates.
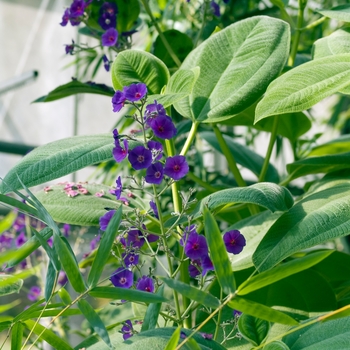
(273, 136)
(229, 157)
(190, 138)
(314, 24)
(161, 35)
(219, 319)
(202, 183)
(298, 30)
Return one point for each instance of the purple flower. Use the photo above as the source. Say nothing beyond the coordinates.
(119, 152)
(62, 278)
(20, 240)
(70, 48)
(109, 8)
(130, 259)
(207, 265)
(127, 330)
(107, 21)
(122, 278)
(105, 219)
(163, 127)
(156, 148)
(50, 242)
(187, 231)
(94, 242)
(215, 8)
(77, 8)
(65, 18)
(206, 335)
(34, 293)
(154, 173)
(118, 100)
(110, 37)
(5, 240)
(19, 223)
(146, 284)
(153, 110)
(119, 188)
(236, 313)
(135, 92)
(140, 157)
(193, 268)
(176, 167)
(152, 238)
(106, 63)
(66, 230)
(234, 241)
(135, 238)
(154, 208)
(196, 246)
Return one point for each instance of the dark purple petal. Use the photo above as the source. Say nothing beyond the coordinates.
(120, 153)
(152, 238)
(154, 173)
(188, 230)
(193, 268)
(106, 63)
(163, 127)
(207, 265)
(156, 148)
(105, 219)
(145, 284)
(66, 230)
(118, 100)
(127, 330)
(154, 208)
(62, 278)
(77, 8)
(140, 158)
(130, 259)
(34, 293)
(234, 241)
(136, 92)
(110, 37)
(122, 278)
(119, 188)
(153, 110)
(94, 242)
(107, 21)
(176, 167)
(215, 8)
(135, 238)
(5, 240)
(70, 48)
(65, 18)
(196, 246)
(20, 240)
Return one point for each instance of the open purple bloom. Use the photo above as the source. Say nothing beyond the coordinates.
(34, 293)
(135, 238)
(118, 100)
(77, 8)
(145, 284)
(20, 240)
(154, 208)
(176, 167)
(107, 21)
(136, 92)
(234, 241)
(154, 173)
(130, 259)
(187, 231)
(153, 110)
(163, 127)
(156, 148)
(122, 278)
(140, 158)
(110, 37)
(127, 330)
(105, 219)
(106, 63)
(119, 152)
(65, 18)
(196, 246)
(215, 8)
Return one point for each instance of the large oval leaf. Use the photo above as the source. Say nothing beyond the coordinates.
(57, 159)
(319, 217)
(341, 13)
(237, 64)
(304, 86)
(133, 66)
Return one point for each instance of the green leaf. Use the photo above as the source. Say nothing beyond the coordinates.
(304, 86)
(57, 159)
(7, 221)
(116, 293)
(255, 330)
(83, 209)
(133, 66)
(9, 306)
(323, 336)
(340, 144)
(243, 155)
(181, 44)
(282, 271)
(218, 253)
(268, 195)
(174, 340)
(10, 284)
(18, 204)
(69, 263)
(341, 13)
(94, 320)
(152, 313)
(316, 219)
(16, 336)
(28, 247)
(105, 248)
(192, 293)
(49, 336)
(51, 281)
(236, 66)
(64, 295)
(276, 345)
(76, 87)
(128, 13)
(261, 311)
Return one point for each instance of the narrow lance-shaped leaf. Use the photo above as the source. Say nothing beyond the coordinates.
(218, 253)
(174, 339)
(192, 293)
(105, 248)
(16, 336)
(152, 313)
(95, 321)
(51, 280)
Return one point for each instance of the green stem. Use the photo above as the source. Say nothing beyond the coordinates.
(229, 157)
(269, 149)
(219, 319)
(202, 183)
(161, 35)
(298, 30)
(190, 138)
(204, 15)
(314, 24)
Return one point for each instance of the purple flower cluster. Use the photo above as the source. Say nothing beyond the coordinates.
(74, 13)
(108, 16)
